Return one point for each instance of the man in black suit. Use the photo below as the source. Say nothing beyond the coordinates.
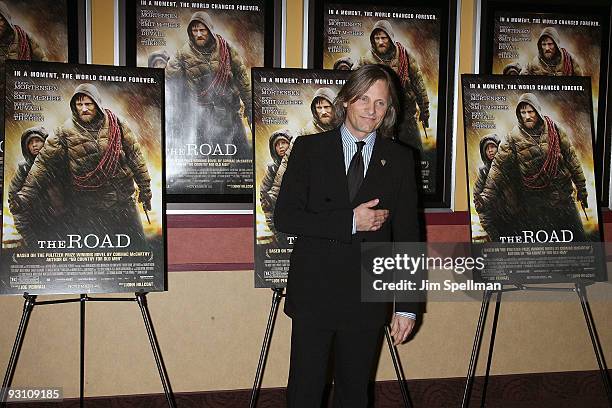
(341, 188)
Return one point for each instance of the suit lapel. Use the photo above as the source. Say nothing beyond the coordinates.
(375, 167)
(335, 163)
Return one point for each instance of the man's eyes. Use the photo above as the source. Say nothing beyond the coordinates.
(365, 99)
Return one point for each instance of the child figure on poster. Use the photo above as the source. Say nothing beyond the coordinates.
(279, 145)
(45, 223)
(323, 120)
(502, 217)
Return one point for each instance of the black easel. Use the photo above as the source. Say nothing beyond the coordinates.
(398, 369)
(277, 295)
(579, 288)
(28, 306)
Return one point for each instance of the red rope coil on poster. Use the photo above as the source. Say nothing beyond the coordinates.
(542, 178)
(25, 50)
(107, 167)
(568, 66)
(221, 79)
(403, 64)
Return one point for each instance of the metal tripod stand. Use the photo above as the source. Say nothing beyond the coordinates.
(28, 307)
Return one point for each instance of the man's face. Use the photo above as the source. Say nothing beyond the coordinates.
(200, 34)
(86, 108)
(491, 151)
(366, 113)
(281, 146)
(549, 48)
(343, 66)
(324, 111)
(34, 145)
(382, 42)
(528, 116)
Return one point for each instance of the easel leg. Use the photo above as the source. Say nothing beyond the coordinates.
(599, 355)
(265, 347)
(491, 346)
(28, 305)
(141, 298)
(82, 354)
(398, 369)
(469, 381)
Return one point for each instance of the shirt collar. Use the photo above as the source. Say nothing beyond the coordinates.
(348, 137)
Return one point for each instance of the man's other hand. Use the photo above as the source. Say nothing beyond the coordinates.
(369, 219)
(401, 326)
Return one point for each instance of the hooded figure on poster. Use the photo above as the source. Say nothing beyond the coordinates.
(385, 50)
(47, 222)
(323, 112)
(323, 120)
(501, 218)
(279, 144)
(15, 42)
(99, 157)
(539, 154)
(213, 75)
(552, 58)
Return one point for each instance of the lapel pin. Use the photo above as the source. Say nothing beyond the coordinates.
(383, 162)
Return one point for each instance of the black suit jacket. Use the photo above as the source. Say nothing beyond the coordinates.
(324, 276)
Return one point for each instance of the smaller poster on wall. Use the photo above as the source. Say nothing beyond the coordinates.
(83, 211)
(550, 44)
(207, 50)
(554, 40)
(287, 104)
(416, 41)
(531, 177)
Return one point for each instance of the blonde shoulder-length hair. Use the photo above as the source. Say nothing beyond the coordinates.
(358, 84)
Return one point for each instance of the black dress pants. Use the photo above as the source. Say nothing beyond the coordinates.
(356, 353)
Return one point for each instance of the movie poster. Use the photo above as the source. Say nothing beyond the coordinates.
(530, 171)
(83, 211)
(288, 103)
(408, 39)
(549, 44)
(207, 50)
(24, 35)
